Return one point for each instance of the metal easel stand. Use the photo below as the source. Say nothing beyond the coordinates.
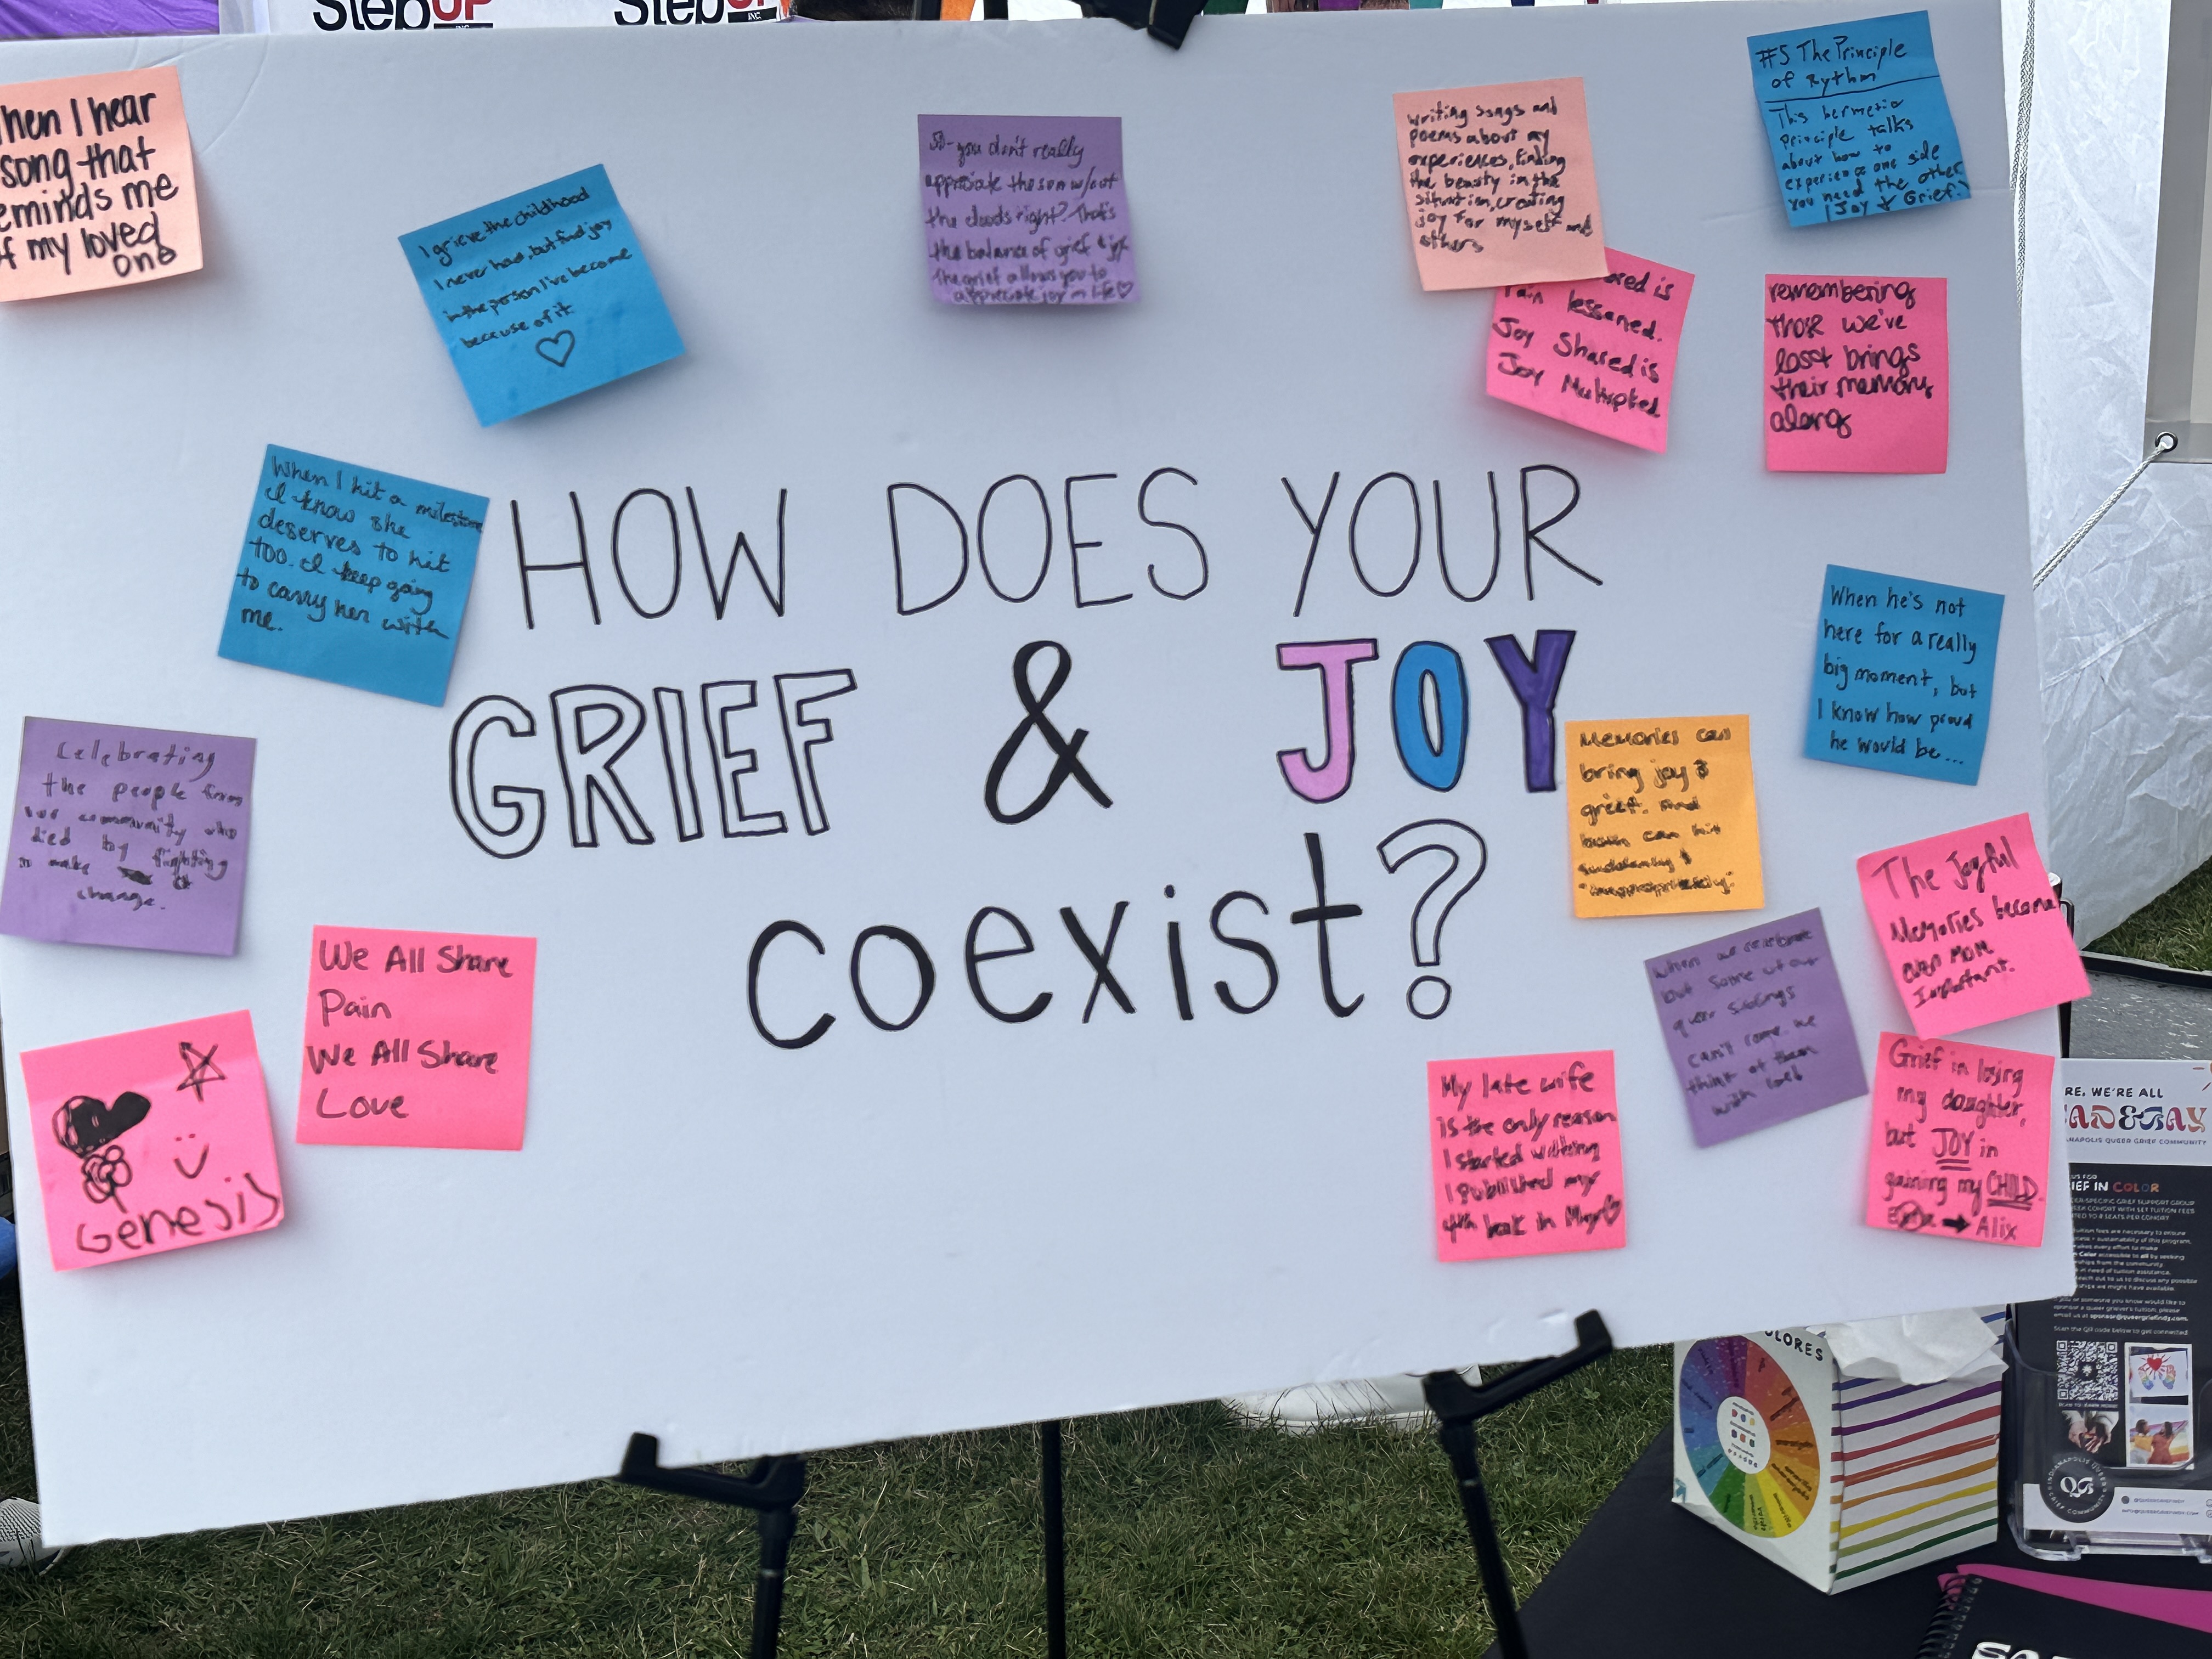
(1055, 1543)
(772, 1488)
(775, 1485)
(1458, 1403)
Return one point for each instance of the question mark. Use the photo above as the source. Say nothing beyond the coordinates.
(1462, 846)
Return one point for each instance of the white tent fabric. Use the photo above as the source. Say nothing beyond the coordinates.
(2126, 621)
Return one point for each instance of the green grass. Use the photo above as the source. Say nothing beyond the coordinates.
(2174, 928)
(1186, 1535)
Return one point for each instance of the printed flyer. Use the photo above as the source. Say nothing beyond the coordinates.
(2106, 1401)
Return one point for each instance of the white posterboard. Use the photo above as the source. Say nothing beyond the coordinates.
(746, 1249)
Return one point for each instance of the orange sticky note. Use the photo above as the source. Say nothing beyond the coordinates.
(153, 1140)
(1526, 1154)
(417, 1039)
(1960, 1140)
(1500, 185)
(1970, 927)
(96, 185)
(1663, 816)
(1598, 355)
(1858, 374)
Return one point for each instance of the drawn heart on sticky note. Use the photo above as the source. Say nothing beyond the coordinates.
(558, 349)
(84, 1124)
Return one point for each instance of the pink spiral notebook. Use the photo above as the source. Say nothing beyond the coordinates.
(2193, 1609)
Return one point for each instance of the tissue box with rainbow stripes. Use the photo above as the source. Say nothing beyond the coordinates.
(1840, 1480)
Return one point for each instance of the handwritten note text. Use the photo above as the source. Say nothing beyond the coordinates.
(1858, 374)
(1960, 1141)
(1661, 816)
(1596, 355)
(354, 576)
(1903, 675)
(541, 295)
(1525, 1152)
(1756, 1024)
(417, 1039)
(1970, 927)
(127, 834)
(1857, 119)
(1500, 187)
(1026, 210)
(96, 184)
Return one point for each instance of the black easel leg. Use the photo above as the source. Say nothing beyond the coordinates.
(770, 1490)
(1055, 1547)
(1458, 1403)
(1458, 1438)
(776, 1526)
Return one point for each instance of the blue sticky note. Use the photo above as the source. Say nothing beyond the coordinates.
(542, 296)
(1901, 675)
(354, 576)
(1856, 119)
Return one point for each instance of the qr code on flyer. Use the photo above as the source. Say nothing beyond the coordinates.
(2088, 1373)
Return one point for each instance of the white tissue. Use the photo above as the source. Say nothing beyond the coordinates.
(1952, 1344)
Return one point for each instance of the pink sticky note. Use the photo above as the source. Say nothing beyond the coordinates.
(121, 206)
(1970, 927)
(1599, 354)
(1526, 1150)
(1958, 1140)
(1500, 185)
(153, 1140)
(417, 1040)
(1858, 374)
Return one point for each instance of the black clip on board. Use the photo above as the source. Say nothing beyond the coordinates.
(932, 12)
(773, 1487)
(1165, 21)
(1458, 1403)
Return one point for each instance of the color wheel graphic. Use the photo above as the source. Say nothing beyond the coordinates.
(1748, 1436)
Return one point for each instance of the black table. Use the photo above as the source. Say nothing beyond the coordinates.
(1648, 1578)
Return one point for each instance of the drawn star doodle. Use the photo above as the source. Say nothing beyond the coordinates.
(200, 1070)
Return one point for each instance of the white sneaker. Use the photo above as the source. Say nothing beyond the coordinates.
(1397, 1400)
(18, 1533)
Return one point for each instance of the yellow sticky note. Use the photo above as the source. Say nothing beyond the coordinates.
(1500, 185)
(96, 185)
(1661, 816)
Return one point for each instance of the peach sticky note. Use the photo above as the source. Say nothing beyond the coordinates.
(1960, 1140)
(1662, 817)
(1858, 374)
(417, 1040)
(1499, 184)
(1526, 1150)
(96, 187)
(153, 1140)
(1599, 354)
(1970, 927)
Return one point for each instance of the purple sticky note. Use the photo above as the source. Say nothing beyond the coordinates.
(1026, 210)
(125, 835)
(1757, 1027)
(41, 18)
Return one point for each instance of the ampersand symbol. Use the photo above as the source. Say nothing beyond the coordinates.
(1065, 763)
